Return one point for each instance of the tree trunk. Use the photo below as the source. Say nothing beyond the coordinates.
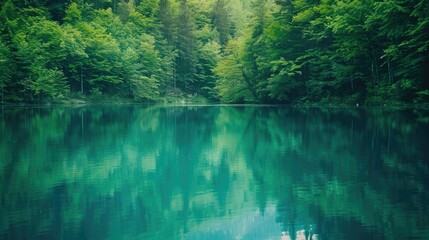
(374, 71)
(115, 5)
(249, 84)
(426, 71)
(389, 69)
(377, 70)
(81, 80)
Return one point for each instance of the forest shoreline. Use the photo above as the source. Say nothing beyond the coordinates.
(368, 53)
(181, 102)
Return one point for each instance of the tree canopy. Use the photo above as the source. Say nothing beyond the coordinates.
(233, 51)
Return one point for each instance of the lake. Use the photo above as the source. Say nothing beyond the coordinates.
(213, 172)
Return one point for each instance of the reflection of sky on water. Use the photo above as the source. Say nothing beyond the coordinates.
(248, 225)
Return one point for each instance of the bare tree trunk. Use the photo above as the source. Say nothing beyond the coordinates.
(377, 70)
(81, 80)
(115, 5)
(174, 78)
(389, 69)
(372, 72)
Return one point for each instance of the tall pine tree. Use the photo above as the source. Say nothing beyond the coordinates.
(186, 48)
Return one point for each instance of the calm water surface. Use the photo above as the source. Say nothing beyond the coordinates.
(213, 172)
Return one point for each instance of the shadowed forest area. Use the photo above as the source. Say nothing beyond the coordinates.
(369, 52)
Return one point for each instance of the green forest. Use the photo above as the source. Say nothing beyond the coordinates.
(368, 52)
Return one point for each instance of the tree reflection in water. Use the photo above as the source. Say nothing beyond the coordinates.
(213, 172)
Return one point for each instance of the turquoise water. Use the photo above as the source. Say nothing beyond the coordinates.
(213, 172)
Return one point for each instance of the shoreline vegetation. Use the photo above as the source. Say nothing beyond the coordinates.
(298, 52)
(201, 101)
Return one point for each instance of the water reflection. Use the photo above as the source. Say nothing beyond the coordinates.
(137, 172)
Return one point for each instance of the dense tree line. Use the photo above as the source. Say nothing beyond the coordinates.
(330, 51)
(289, 51)
(54, 50)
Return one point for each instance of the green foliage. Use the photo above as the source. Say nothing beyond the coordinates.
(47, 82)
(344, 51)
(141, 70)
(222, 22)
(235, 51)
(186, 48)
(125, 9)
(232, 85)
(6, 69)
(102, 68)
(284, 83)
(208, 57)
(73, 14)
